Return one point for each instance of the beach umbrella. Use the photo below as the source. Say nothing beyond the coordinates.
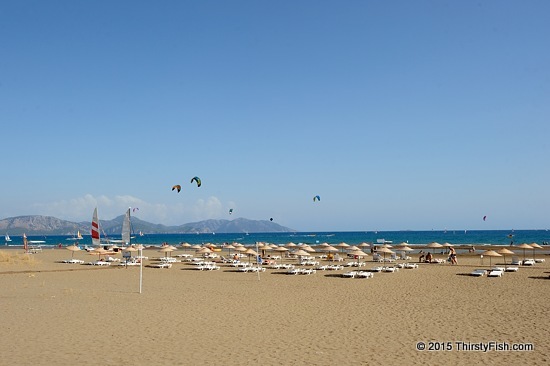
(535, 246)
(447, 245)
(385, 251)
(308, 249)
(524, 246)
(73, 248)
(290, 245)
(405, 248)
(359, 253)
(342, 245)
(229, 246)
(300, 253)
(434, 245)
(401, 245)
(490, 254)
(250, 253)
(364, 245)
(281, 250)
(166, 249)
(100, 251)
(505, 252)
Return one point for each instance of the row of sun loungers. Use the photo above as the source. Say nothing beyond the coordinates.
(493, 272)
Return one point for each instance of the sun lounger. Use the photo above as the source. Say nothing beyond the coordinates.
(351, 274)
(334, 267)
(73, 261)
(410, 266)
(511, 269)
(516, 261)
(478, 273)
(529, 262)
(539, 260)
(376, 269)
(295, 271)
(169, 260)
(495, 273)
(160, 265)
(364, 274)
(390, 269)
(99, 263)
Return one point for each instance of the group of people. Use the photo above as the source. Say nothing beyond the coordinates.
(428, 257)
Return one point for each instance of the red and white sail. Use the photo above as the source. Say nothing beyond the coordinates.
(95, 229)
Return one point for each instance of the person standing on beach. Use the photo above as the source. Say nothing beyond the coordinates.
(452, 255)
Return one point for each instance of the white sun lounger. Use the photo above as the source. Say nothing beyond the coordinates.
(73, 261)
(410, 266)
(99, 263)
(390, 269)
(364, 274)
(529, 262)
(161, 265)
(511, 269)
(478, 273)
(495, 273)
(351, 274)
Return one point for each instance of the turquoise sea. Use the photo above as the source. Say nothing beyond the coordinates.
(474, 237)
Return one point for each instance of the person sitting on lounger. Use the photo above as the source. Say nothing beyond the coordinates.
(421, 256)
(429, 257)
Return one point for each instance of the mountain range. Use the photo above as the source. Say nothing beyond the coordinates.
(48, 225)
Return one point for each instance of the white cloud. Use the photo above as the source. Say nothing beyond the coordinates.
(81, 209)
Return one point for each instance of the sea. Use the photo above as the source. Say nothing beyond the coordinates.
(458, 237)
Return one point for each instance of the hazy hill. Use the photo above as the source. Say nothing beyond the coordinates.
(48, 225)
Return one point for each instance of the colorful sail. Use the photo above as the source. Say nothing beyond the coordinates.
(95, 229)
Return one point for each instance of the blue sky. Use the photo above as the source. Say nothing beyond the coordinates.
(399, 114)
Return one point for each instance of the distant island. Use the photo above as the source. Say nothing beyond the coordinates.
(48, 225)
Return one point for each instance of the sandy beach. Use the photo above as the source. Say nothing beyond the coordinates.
(66, 314)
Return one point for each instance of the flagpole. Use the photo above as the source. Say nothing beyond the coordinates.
(258, 262)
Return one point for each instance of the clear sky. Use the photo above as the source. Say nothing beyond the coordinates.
(399, 114)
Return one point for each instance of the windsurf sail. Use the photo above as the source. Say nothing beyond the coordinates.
(95, 229)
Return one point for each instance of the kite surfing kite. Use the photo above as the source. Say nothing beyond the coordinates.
(135, 209)
(484, 218)
(230, 211)
(271, 219)
(316, 198)
(177, 186)
(196, 179)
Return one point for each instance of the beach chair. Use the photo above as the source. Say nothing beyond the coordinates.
(498, 272)
(529, 262)
(377, 258)
(364, 274)
(410, 266)
(351, 274)
(390, 269)
(511, 269)
(516, 261)
(478, 273)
